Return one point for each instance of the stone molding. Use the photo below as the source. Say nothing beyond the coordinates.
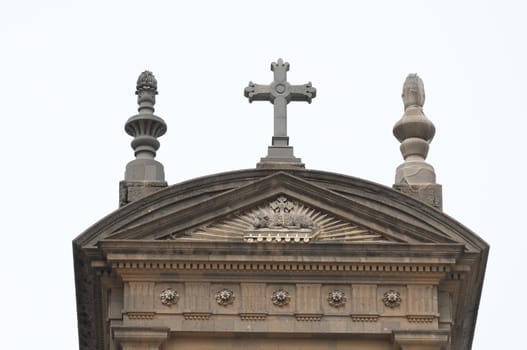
(364, 318)
(421, 339)
(421, 318)
(197, 316)
(308, 317)
(253, 316)
(139, 338)
(140, 315)
(286, 266)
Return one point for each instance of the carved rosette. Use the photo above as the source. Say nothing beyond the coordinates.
(280, 297)
(225, 297)
(169, 297)
(392, 298)
(337, 298)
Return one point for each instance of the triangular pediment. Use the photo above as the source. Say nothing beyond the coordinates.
(337, 213)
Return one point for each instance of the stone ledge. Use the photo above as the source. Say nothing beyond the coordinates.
(201, 316)
(421, 318)
(139, 337)
(140, 315)
(308, 317)
(253, 316)
(420, 339)
(364, 318)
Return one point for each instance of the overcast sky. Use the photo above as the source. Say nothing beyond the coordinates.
(68, 79)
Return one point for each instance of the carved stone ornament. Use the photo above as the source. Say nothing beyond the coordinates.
(281, 297)
(169, 297)
(392, 298)
(146, 82)
(280, 215)
(337, 298)
(225, 297)
(280, 222)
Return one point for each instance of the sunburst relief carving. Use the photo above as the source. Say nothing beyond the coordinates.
(281, 220)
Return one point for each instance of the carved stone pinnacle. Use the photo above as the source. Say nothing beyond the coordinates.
(413, 91)
(415, 132)
(144, 174)
(145, 126)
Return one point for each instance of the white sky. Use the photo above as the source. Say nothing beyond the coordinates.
(69, 70)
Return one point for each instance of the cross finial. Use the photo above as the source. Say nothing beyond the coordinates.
(279, 92)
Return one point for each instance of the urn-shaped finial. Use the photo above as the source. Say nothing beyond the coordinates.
(413, 91)
(415, 132)
(145, 127)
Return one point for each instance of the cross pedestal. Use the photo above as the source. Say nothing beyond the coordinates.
(280, 93)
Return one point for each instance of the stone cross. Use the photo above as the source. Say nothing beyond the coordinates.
(280, 93)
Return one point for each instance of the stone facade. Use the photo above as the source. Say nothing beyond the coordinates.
(185, 267)
(278, 257)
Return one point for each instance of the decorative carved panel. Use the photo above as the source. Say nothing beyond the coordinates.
(283, 220)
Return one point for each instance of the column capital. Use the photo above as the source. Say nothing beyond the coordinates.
(140, 338)
(420, 339)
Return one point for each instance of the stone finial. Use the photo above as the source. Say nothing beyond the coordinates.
(280, 92)
(413, 91)
(145, 127)
(144, 174)
(415, 132)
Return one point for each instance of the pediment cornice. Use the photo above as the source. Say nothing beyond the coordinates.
(181, 208)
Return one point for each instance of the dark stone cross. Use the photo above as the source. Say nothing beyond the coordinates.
(280, 93)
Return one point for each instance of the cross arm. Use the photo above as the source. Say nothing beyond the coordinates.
(304, 92)
(257, 92)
